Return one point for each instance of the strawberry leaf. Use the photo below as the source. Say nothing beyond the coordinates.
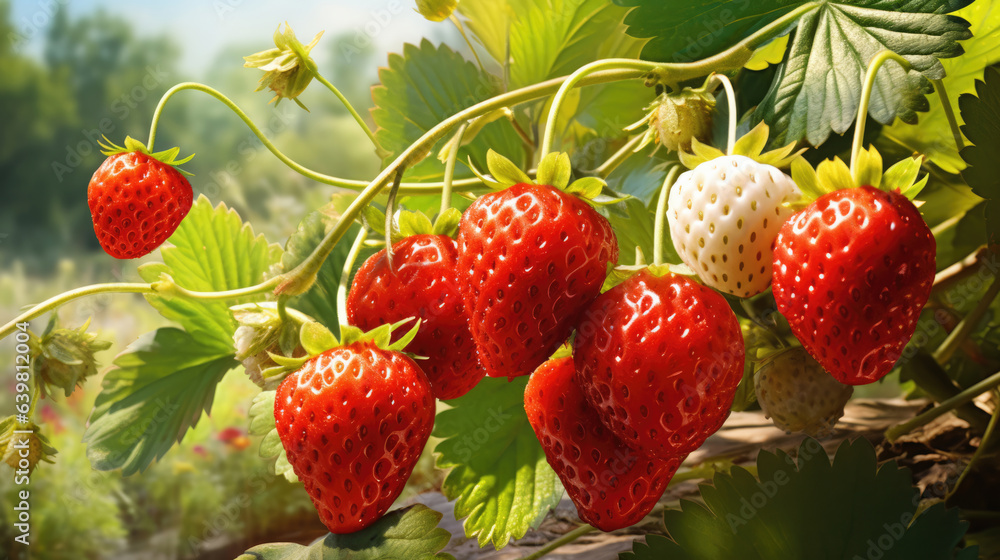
(410, 533)
(932, 136)
(808, 508)
(424, 86)
(981, 113)
(262, 424)
(499, 477)
(212, 250)
(155, 392)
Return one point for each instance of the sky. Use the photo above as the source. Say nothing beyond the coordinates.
(205, 27)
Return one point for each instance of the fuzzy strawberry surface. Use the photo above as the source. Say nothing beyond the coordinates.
(136, 203)
(612, 485)
(422, 283)
(660, 359)
(851, 274)
(530, 259)
(353, 422)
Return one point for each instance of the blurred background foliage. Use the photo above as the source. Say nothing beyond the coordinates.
(93, 74)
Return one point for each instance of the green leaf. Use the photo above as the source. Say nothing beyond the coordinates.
(402, 534)
(818, 86)
(157, 390)
(424, 86)
(212, 250)
(633, 224)
(932, 136)
(544, 39)
(447, 223)
(262, 424)
(981, 113)
(587, 187)
(554, 170)
(499, 476)
(808, 508)
(320, 302)
(504, 170)
(413, 223)
(316, 338)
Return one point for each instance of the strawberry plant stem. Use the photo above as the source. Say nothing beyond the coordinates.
(407, 188)
(389, 211)
(449, 167)
(949, 112)
(616, 159)
(934, 380)
(731, 99)
(354, 113)
(461, 29)
(966, 396)
(561, 541)
(866, 96)
(345, 276)
(66, 297)
(548, 136)
(983, 445)
(661, 214)
(967, 325)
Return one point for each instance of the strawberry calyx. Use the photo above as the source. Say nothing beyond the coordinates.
(168, 157)
(673, 119)
(407, 223)
(316, 339)
(833, 175)
(620, 274)
(288, 67)
(750, 145)
(554, 171)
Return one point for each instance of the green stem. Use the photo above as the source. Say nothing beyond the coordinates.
(389, 213)
(561, 541)
(616, 159)
(866, 95)
(967, 325)
(261, 288)
(342, 286)
(661, 214)
(354, 113)
(574, 79)
(949, 112)
(992, 382)
(66, 297)
(461, 29)
(406, 188)
(933, 380)
(731, 99)
(975, 456)
(449, 167)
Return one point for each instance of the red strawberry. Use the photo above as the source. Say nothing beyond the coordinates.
(423, 283)
(353, 422)
(611, 485)
(852, 272)
(660, 359)
(530, 258)
(137, 199)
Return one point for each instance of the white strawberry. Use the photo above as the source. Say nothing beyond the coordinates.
(799, 395)
(725, 213)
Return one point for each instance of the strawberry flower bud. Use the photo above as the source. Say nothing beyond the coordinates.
(436, 10)
(288, 68)
(65, 358)
(261, 335)
(18, 449)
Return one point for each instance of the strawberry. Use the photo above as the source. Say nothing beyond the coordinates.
(852, 272)
(353, 421)
(612, 485)
(798, 395)
(725, 213)
(137, 199)
(531, 257)
(422, 282)
(674, 119)
(660, 358)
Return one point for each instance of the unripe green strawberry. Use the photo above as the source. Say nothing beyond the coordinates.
(799, 395)
(683, 116)
(24, 450)
(724, 216)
